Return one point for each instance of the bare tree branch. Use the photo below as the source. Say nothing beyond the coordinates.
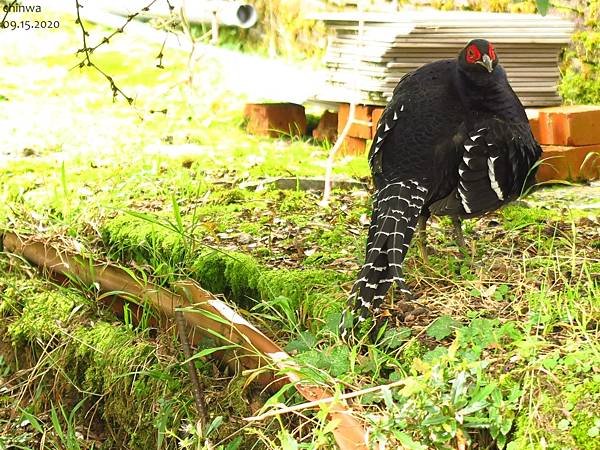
(197, 387)
(351, 120)
(88, 51)
(8, 8)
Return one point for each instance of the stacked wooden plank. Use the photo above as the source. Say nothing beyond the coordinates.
(366, 66)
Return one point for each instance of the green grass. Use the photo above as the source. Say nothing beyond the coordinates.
(500, 346)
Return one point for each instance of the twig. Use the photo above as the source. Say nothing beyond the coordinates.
(187, 29)
(331, 157)
(197, 387)
(161, 55)
(324, 401)
(351, 121)
(87, 51)
(461, 442)
(7, 10)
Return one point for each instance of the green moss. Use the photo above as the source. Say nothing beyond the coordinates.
(243, 274)
(12, 295)
(108, 359)
(229, 196)
(586, 422)
(314, 291)
(337, 238)
(517, 217)
(209, 271)
(244, 281)
(135, 393)
(293, 201)
(415, 349)
(585, 432)
(241, 278)
(44, 314)
(236, 275)
(149, 241)
(252, 228)
(109, 351)
(262, 252)
(221, 218)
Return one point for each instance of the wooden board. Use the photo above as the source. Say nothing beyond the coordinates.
(368, 59)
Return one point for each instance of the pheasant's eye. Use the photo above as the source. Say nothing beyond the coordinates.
(473, 54)
(492, 52)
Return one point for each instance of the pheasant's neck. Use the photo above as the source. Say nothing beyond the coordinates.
(489, 95)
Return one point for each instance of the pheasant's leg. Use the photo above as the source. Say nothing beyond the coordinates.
(457, 223)
(422, 227)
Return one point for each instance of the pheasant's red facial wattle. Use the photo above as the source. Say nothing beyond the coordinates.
(492, 52)
(473, 54)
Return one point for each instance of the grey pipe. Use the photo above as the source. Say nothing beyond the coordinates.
(231, 13)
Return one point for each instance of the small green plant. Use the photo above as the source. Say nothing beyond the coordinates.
(4, 367)
(446, 393)
(442, 327)
(66, 200)
(64, 426)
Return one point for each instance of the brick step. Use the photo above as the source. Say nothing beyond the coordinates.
(275, 119)
(562, 125)
(362, 113)
(534, 123)
(569, 125)
(577, 125)
(327, 128)
(353, 146)
(570, 163)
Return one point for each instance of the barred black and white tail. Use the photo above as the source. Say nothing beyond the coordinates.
(396, 210)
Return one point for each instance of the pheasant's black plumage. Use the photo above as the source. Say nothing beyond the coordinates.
(454, 140)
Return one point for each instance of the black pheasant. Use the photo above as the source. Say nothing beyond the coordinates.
(454, 140)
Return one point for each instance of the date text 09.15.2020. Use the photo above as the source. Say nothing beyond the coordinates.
(29, 24)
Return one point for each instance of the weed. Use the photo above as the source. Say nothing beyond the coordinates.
(66, 434)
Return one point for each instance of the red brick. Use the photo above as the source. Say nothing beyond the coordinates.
(570, 125)
(569, 163)
(327, 128)
(353, 146)
(375, 116)
(275, 119)
(534, 123)
(362, 112)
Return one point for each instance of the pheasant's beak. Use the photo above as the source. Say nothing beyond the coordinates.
(487, 62)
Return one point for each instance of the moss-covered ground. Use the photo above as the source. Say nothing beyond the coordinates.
(499, 347)
(112, 384)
